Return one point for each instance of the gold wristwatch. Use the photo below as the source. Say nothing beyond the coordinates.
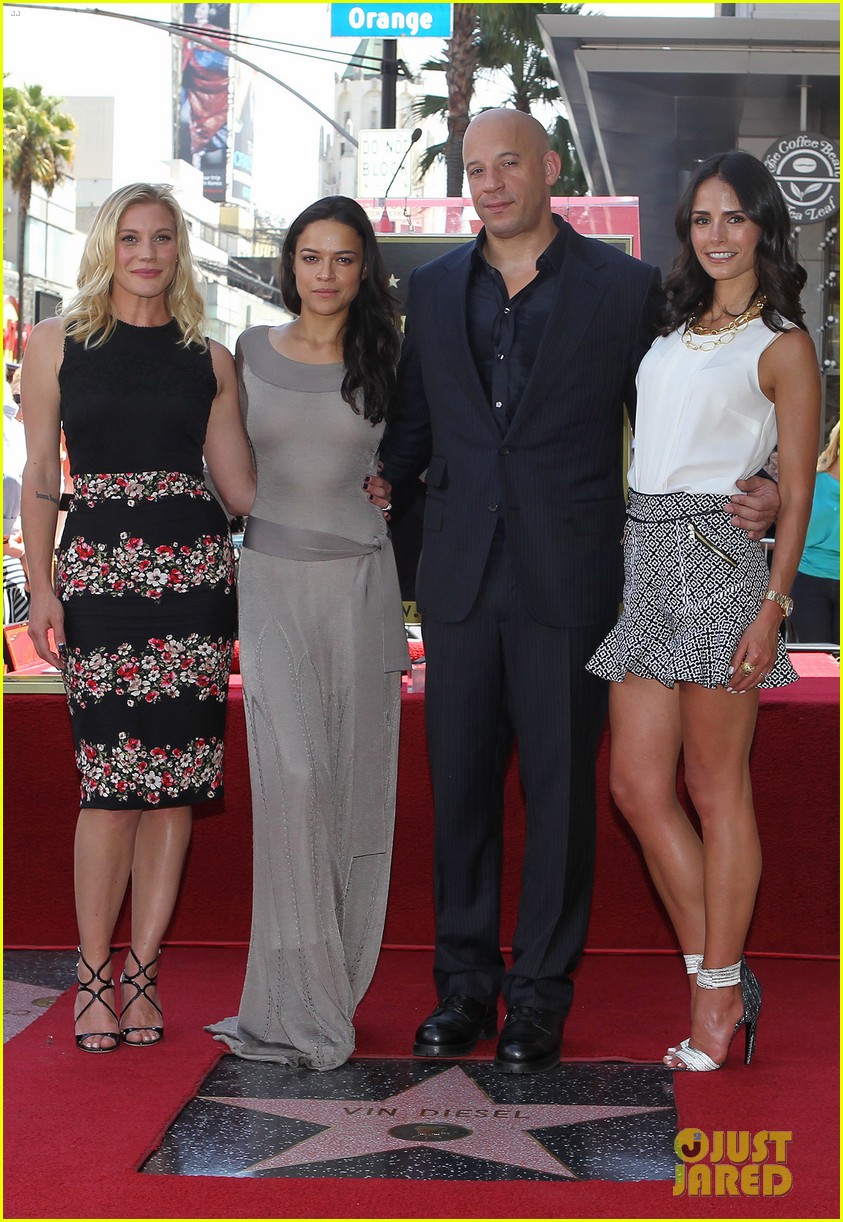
(783, 600)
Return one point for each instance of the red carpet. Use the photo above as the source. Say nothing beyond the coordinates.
(77, 1127)
(795, 774)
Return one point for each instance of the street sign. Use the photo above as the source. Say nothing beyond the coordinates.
(379, 154)
(391, 20)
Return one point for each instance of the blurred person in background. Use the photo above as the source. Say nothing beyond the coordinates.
(816, 588)
(15, 581)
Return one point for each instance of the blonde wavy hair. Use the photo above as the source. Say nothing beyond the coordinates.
(831, 451)
(89, 316)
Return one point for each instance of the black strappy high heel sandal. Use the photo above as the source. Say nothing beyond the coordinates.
(96, 995)
(130, 980)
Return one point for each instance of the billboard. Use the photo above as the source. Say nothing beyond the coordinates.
(243, 129)
(203, 117)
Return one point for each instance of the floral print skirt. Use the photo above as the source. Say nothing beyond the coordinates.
(145, 572)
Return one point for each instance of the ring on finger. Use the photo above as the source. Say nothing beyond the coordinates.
(747, 668)
(387, 508)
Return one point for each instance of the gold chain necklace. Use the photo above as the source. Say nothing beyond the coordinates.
(726, 334)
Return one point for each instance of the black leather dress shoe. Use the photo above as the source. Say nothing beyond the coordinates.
(455, 1026)
(529, 1041)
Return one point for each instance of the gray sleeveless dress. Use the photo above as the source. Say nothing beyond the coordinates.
(322, 645)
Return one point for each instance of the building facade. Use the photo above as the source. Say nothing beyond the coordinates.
(223, 237)
(649, 98)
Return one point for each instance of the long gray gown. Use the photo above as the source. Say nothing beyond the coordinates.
(322, 645)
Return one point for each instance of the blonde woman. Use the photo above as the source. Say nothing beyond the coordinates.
(816, 588)
(138, 611)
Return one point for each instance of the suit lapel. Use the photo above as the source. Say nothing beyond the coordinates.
(580, 287)
(450, 306)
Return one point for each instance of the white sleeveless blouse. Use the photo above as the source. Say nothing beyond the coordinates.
(703, 421)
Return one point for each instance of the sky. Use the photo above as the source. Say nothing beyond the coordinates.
(79, 53)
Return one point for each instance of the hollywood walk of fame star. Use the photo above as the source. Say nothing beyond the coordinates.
(448, 1108)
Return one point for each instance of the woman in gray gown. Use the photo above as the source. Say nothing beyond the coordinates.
(322, 643)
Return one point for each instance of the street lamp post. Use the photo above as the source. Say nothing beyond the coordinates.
(389, 79)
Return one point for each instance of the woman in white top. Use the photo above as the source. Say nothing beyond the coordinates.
(732, 372)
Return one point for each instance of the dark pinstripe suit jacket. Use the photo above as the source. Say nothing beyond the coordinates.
(556, 476)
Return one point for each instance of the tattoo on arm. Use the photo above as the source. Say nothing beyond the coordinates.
(45, 496)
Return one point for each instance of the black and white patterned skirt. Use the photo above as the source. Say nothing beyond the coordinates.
(693, 583)
(15, 594)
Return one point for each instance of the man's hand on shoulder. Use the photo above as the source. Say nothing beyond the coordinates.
(756, 507)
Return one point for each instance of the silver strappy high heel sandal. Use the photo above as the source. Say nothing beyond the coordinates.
(721, 978)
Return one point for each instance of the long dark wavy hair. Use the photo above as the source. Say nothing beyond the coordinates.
(371, 340)
(781, 277)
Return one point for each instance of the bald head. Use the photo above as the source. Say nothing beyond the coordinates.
(513, 124)
(511, 169)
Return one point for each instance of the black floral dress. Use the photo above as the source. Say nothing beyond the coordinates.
(145, 573)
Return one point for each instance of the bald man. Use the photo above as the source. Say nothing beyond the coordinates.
(520, 356)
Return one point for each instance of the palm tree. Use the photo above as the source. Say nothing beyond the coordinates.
(509, 44)
(501, 42)
(459, 64)
(572, 180)
(37, 150)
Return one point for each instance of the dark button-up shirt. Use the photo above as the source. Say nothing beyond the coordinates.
(504, 332)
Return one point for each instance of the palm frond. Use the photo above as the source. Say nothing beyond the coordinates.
(429, 105)
(430, 155)
(494, 41)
